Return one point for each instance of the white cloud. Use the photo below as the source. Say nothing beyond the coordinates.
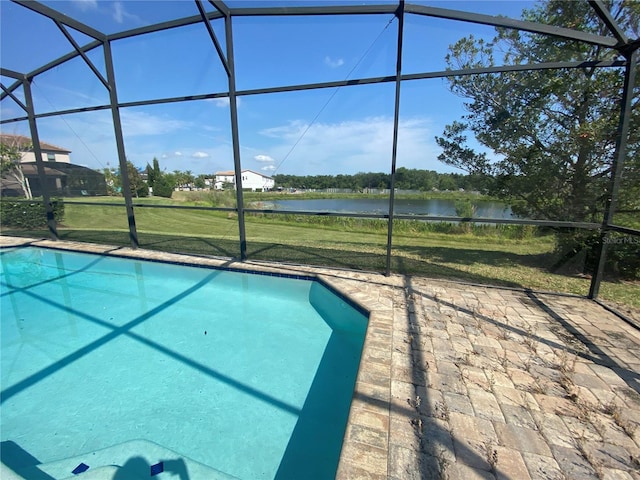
(171, 155)
(220, 102)
(291, 131)
(352, 146)
(327, 148)
(117, 10)
(85, 5)
(68, 96)
(217, 158)
(224, 102)
(137, 123)
(91, 140)
(333, 63)
(9, 112)
(120, 14)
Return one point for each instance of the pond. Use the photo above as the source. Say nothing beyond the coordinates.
(436, 207)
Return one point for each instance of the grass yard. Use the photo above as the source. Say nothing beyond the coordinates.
(512, 256)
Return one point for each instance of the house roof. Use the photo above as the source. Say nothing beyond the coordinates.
(257, 173)
(24, 143)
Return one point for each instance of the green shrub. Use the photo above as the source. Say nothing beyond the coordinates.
(221, 198)
(464, 208)
(576, 250)
(623, 256)
(163, 187)
(623, 252)
(32, 214)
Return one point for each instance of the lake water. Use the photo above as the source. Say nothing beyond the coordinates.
(437, 207)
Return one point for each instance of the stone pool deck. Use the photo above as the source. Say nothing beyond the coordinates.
(468, 382)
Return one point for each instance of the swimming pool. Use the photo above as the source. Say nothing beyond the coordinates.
(248, 375)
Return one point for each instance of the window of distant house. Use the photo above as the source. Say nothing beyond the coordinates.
(51, 157)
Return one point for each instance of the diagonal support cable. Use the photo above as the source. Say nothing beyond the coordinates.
(214, 39)
(86, 59)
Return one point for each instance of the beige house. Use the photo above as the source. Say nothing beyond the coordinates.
(254, 181)
(61, 176)
(50, 153)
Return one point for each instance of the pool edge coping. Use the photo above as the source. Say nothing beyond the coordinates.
(365, 445)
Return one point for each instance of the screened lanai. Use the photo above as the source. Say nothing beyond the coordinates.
(525, 113)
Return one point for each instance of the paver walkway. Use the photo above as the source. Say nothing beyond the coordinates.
(493, 383)
(469, 382)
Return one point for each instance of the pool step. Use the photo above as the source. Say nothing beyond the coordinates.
(133, 460)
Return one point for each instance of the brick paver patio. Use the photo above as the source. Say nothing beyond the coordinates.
(471, 382)
(493, 383)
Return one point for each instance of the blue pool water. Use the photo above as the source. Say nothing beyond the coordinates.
(249, 374)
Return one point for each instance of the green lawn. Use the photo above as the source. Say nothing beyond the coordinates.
(513, 256)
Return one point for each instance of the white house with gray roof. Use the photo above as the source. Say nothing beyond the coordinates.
(254, 181)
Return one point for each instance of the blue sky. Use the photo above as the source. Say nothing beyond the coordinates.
(326, 131)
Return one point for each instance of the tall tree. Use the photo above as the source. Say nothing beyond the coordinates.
(153, 172)
(200, 181)
(189, 178)
(11, 166)
(164, 185)
(137, 185)
(553, 130)
(180, 178)
(113, 181)
(161, 183)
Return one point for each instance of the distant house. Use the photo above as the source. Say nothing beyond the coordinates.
(50, 153)
(224, 178)
(254, 181)
(62, 177)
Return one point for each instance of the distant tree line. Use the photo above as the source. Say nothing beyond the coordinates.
(163, 183)
(406, 179)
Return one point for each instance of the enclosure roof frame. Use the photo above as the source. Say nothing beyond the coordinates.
(616, 43)
(60, 17)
